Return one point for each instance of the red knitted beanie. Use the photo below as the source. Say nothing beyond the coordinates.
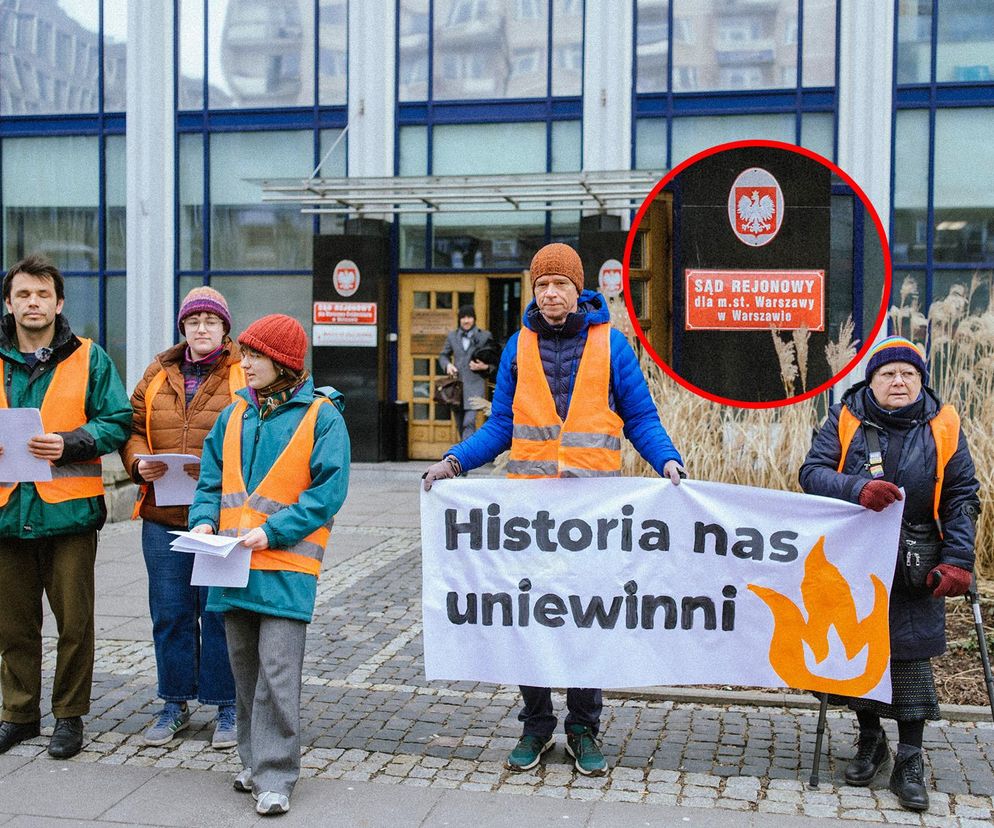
(279, 337)
(558, 259)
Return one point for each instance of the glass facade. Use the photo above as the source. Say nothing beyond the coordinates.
(943, 214)
(489, 49)
(62, 186)
(482, 87)
(50, 57)
(510, 73)
(694, 59)
(276, 72)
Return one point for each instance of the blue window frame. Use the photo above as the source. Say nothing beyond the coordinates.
(63, 109)
(319, 119)
(747, 47)
(416, 70)
(942, 227)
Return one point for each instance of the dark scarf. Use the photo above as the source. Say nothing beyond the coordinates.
(282, 389)
(897, 422)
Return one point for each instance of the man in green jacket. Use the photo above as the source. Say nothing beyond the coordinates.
(48, 529)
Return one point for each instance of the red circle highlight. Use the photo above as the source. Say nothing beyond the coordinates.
(870, 211)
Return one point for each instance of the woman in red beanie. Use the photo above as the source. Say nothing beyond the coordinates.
(275, 470)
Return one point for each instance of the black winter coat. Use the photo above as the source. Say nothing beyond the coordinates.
(917, 622)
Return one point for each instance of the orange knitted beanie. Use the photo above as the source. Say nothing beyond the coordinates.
(558, 259)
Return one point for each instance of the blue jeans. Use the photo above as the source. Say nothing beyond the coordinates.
(583, 706)
(191, 654)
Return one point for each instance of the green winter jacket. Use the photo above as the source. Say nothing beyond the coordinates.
(271, 592)
(108, 414)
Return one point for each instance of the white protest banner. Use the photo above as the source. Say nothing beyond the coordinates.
(628, 582)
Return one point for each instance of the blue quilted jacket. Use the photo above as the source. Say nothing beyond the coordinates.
(560, 350)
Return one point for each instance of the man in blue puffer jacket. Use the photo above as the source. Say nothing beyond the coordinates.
(574, 414)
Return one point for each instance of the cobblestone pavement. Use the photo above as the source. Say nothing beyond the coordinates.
(370, 716)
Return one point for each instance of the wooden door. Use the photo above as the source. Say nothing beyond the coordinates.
(428, 309)
(651, 276)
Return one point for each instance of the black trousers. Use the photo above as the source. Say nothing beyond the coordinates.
(583, 705)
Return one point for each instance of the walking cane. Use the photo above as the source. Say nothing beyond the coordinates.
(819, 734)
(974, 600)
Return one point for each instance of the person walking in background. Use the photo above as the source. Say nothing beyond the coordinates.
(175, 404)
(48, 530)
(275, 471)
(566, 386)
(465, 355)
(893, 431)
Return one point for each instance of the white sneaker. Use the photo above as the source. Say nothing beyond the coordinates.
(272, 804)
(243, 782)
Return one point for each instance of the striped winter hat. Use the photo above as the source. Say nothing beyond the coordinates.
(896, 349)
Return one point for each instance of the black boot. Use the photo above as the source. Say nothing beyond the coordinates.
(67, 738)
(13, 733)
(871, 753)
(907, 780)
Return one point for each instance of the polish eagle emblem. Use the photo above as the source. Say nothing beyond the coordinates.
(755, 207)
(756, 212)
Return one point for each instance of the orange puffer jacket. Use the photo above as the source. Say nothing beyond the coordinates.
(176, 428)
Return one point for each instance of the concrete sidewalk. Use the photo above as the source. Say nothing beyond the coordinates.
(381, 746)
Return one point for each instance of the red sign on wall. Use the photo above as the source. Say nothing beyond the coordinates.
(755, 299)
(345, 313)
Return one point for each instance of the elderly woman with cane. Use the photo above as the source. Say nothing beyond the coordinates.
(890, 432)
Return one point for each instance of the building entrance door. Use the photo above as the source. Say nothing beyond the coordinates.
(427, 312)
(650, 276)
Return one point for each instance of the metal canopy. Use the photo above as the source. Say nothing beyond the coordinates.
(590, 191)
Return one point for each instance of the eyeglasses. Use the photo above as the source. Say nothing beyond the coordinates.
(211, 323)
(909, 375)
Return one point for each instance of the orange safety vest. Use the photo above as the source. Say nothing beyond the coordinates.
(236, 381)
(588, 442)
(945, 432)
(64, 409)
(286, 480)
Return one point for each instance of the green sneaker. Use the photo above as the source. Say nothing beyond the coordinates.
(528, 752)
(584, 748)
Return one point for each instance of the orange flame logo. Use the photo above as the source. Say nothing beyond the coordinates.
(829, 603)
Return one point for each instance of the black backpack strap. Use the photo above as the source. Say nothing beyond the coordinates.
(875, 458)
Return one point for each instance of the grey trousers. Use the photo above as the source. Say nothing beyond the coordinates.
(466, 420)
(267, 657)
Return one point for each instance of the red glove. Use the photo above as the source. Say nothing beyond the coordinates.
(878, 495)
(949, 581)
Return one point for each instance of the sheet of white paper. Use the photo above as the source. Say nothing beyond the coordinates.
(217, 545)
(17, 464)
(175, 487)
(230, 571)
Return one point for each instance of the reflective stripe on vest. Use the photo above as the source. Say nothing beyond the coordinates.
(945, 433)
(64, 409)
(588, 442)
(286, 480)
(236, 381)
